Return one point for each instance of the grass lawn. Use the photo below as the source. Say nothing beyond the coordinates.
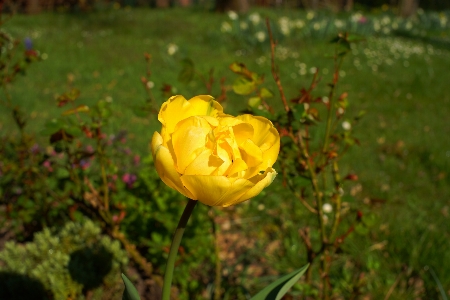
(403, 162)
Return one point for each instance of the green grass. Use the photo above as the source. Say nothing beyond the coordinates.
(404, 157)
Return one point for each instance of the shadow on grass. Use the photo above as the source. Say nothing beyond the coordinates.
(440, 42)
(15, 286)
(90, 265)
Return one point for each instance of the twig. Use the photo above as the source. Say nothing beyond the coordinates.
(304, 234)
(337, 214)
(392, 288)
(275, 74)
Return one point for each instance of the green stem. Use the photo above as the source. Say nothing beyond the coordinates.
(174, 248)
(337, 213)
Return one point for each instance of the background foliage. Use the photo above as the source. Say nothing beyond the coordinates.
(397, 75)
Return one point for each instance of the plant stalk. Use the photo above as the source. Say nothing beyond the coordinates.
(174, 248)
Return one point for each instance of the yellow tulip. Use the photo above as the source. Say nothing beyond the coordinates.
(212, 157)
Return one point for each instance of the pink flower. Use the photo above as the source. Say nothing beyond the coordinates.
(48, 165)
(129, 179)
(136, 160)
(362, 20)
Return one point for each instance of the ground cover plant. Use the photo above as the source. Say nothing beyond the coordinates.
(397, 75)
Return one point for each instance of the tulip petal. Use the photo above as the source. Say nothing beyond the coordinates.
(206, 163)
(205, 105)
(237, 166)
(177, 108)
(265, 135)
(243, 132)
(260, 182)
(165, 166)
(251, 153)
(270, 155)
(216, 190)
(238, 188)
(189, 140)
(206, 189)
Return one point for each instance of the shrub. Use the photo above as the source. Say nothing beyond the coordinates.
(62, 264)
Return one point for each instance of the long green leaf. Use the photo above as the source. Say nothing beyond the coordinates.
(281, 286)
(130, 292)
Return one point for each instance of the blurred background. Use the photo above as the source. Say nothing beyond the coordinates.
(80, 202)
(405, 7)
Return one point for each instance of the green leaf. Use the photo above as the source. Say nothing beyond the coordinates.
(80, 108)
(237, 68)
(130, 292)
(265, 93)
(187, 72)
(242, 86)
(74, 131)
(242, 70)
(280, 287)
(254, 101)
(47, 131)
(68, 97)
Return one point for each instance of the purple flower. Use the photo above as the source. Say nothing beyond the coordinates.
(28, 43)
(129, 179)
(85, 163)
(35, 149)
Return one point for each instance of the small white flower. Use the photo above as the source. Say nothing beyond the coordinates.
(243, 25)
(327, 208)
(299, 24)
(284, 25)
(260, 36)
(386, 20)
(346, 125)
(150, 84)
(339, 23)
(443, 20)
(409, 25)
(356, 17)
(255, 18)
(310, 15)
(376, 26)
(172, 49)
(226, 27)
(232, 15)
(313, 70)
